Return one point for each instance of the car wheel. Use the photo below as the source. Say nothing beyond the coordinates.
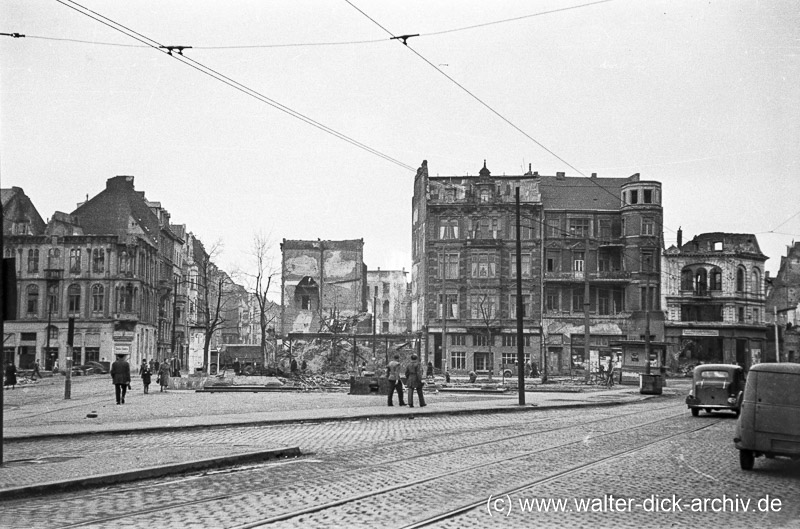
(746, 459)
(736, 412)
(507, 373)
(695, 412)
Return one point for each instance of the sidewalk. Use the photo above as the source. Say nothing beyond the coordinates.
(38, 419)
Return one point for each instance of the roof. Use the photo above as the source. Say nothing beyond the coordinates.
(581, 192)
(731, 243)
(783, 367)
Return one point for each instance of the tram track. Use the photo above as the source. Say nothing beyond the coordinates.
(231, 496)
(100, 492)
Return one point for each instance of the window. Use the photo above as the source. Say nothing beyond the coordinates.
(449, 195)
(52, 332)
(700, 281)
(648, 196)
(509, 358)
(740, 314)
(526, 303)
(577, 299)
(482, 340)
(451, 261)
(526, 231)
(33, 261)
(458, 360)
(376, 291)
(386, 307)
(526, 264)
(716, 279)
(740, 279)
(99, 261)
(27, 336)
(483, 264)
(32, 300)
(648, 261)
(305, 302)
(458, 339)
(75, 261)
(448, 228)
(481, 361)
(483, 307)
(451, 302)
(485, 195)
(605, 228)
(756, 281)
(385, 327)
(125, 298)
(98, 299)
(52, 299)
(579, 227)
(124, 262)
(578, 261)
(718, 246)
(648, 226)
(552, 259)
(756, 316)
(603, 302)
(54, 258)
(551, 301)
(653, 299)
(554, 227)
(686, 279)
(634, 196)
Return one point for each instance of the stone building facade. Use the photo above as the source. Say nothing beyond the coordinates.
(388, 299)
(713, 295)
(782, 304)
(321, 281)
(600, 233)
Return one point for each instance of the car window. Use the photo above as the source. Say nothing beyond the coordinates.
(714, 374)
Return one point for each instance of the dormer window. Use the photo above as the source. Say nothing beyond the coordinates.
(485, 196)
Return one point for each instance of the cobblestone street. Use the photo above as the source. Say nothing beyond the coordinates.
(367, 472)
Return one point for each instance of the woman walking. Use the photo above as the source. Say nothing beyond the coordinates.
(163, 376)
(146, 375)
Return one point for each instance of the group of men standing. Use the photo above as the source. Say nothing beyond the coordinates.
(414, 380)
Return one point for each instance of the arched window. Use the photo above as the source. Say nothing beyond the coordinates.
(74, 299)
(756, 279)
(740, 279)
(98, 299)
(716, 279)
(700, 281)
(32, 300)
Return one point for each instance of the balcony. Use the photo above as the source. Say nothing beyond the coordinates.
(126, 316)
(615, 276)
(53, 274)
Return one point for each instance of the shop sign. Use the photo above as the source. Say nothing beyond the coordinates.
(701, 332)
(122, 349)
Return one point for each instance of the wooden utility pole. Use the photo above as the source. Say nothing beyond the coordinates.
(520, 344)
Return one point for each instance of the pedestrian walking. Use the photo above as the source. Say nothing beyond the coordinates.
(146, 375)
(393, 374)
(429, 373)
(11, 375)
(414, 381)
(36, 370)
(121, 375)
(55, 367)
(163, 376)
(237, 367)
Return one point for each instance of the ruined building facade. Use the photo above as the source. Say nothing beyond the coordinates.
(388, 299)
(714, 300)
(601, 232)
(321, 281)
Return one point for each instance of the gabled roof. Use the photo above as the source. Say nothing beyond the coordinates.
(111, 211)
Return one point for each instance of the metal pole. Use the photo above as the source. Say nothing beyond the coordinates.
(374, 324)
(777, 343)
(586, 306)
(520, 344)
(70, 342)
(444, 314)
(647, 324)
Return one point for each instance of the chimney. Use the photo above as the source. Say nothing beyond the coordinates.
(120, 182)
(560, 175)
(594, 175)
(680, 237)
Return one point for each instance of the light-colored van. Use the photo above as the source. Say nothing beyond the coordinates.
(769, 420)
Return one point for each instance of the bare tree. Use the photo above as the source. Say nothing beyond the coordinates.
(258, 281)
(486, 309)
(214, 297)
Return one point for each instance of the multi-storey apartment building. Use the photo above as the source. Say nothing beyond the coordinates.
(96, 265)
(388, 297)
(782, 304)
(576, 234)
(463, 278)
(714, 299)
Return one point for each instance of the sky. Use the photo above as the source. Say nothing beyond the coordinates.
(701, 96)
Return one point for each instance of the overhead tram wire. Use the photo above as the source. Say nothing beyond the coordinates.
(228, 81)
(486, 105)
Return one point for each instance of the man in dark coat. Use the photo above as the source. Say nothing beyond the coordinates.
(121, 375)
(414, 377)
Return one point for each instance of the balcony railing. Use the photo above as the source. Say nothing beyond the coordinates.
(572, 276)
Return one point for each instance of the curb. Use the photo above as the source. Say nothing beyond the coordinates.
(317, 420)
(147, 473)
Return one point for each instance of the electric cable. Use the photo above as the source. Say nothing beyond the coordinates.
(228, 81)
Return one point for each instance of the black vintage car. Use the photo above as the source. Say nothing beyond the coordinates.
(716, 387)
